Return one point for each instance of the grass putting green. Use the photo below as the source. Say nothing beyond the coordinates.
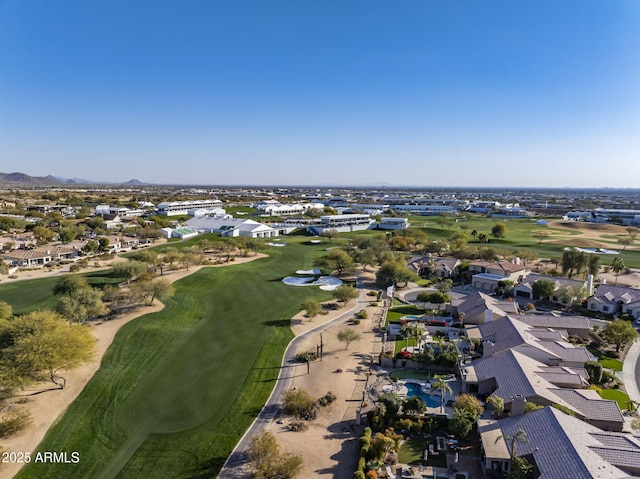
(178, 388)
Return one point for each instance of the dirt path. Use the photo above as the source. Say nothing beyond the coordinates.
(45, 405)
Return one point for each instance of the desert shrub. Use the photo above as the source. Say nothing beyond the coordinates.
(330, 397)
(359, 475)
(74, 268)
(297, 426)
(308, 356)
(362, 314)
(356, 321)
(300, 404)
(372, 293)
(13, 420)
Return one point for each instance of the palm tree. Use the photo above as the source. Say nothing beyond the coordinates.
(519, 436)
(617, 265)
(474, 233)
(442, 386)
(497, 405)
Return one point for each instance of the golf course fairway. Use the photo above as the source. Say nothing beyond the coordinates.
(178, 388)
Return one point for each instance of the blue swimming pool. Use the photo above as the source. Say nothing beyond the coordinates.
(414, 389)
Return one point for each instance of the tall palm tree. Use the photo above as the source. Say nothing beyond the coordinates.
(617, 265)
(441, 385)
(519, 436)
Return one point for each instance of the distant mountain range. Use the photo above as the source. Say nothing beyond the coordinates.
(24, 179)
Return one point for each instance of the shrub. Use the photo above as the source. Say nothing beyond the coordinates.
(362, 314)
(309, 356)
(359, 475)
(297, 426)
(372, 293)
(74, 268)
(371, 474)
(356, 321)
(13, 420)
(330, 397)
(300, 404)
(595, 370)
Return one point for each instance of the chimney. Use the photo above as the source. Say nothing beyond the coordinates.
(603, 281)
(487, 349)
(488, 315)
(517, 405)
(589, 286)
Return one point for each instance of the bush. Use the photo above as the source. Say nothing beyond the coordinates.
(309, 356)
(362, 314)
(356, 321)
(300, 404)
(74, 268)
(297, 426)
(372, 293)
(330, 397)
(13, 420)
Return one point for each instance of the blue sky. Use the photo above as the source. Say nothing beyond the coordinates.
(425, 93)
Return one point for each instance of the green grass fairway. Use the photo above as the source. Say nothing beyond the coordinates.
(35, 294)
(29, 295)
(178, 388)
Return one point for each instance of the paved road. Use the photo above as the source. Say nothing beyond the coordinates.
(233, 467)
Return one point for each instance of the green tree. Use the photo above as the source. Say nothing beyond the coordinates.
(469, 403)
(625, 242)
(345, 293)
(438, 298)
(499, 230)
(620, 333)
(593, 265)
(394, 272)
(423, 297)
(43, 235)
(42, 345)
(312, 307)
(392, 403)
(68, 234)
(149, 290)
(348, 336)
(81, 305)
(573, 262)
(69, 284)
(520, 469)
(414, 405)
(444, 285)
(129, 269)
(103, 244)
(461, 423)
(540, 236)
(268, 462)
(337, 259)
(617, 265)
(6, 311)
(543, 288)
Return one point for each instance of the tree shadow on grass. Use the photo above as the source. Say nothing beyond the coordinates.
(279, 323)
(207, 469)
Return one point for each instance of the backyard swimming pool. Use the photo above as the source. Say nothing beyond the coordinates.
(414, 389)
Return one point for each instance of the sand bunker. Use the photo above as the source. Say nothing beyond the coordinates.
(592, 250)
(326, 283)
(308, 271)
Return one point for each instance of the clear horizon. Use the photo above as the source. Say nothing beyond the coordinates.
(333, 93)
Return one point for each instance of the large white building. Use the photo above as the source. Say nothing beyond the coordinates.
(426, 210)
(343, 223)
(231, 227)
(174, 208)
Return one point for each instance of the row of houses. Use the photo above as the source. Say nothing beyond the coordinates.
(528, 359)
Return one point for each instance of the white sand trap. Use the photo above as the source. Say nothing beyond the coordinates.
(308, 271)
(315, 241)
(592, 250)
(276, 244)
(326, 283)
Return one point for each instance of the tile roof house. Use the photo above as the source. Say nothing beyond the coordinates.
(38, 257)
(510, 375)
(441, 267)
(565, 287)
(561, 446)
(478, 307)
(611, 299)
(573, 325)
(507, 269)
(509, 333)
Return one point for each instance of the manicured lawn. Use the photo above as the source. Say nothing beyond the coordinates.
(611, 363)
(412, 452)
(400, 344)
(178, 388)
(616, 395)
(29, 295)
(394, 314)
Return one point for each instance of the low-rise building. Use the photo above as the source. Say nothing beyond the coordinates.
(611, 299)
(342, 223)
